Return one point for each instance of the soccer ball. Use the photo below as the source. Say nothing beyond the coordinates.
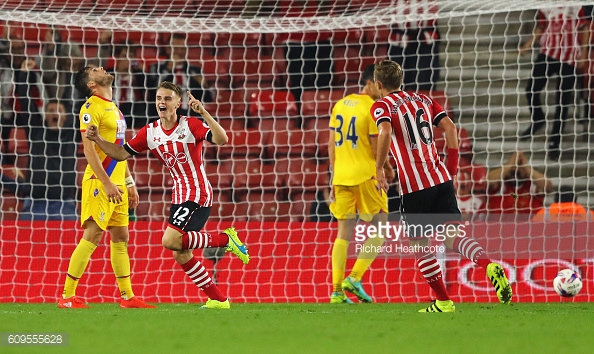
(567, 283)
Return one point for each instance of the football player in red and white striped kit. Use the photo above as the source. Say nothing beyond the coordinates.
(177, 142)
(405, 121)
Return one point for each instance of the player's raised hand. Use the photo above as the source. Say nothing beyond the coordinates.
(92, 133)
(195, 104)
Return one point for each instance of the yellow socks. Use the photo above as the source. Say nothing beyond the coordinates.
(120, 262)
(339, 256)
(365, 259)
(78, 263)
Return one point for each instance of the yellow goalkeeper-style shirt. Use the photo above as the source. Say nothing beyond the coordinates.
(353, 125)
(111, 125)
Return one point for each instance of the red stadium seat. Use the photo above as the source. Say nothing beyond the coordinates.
(284, 143)
(32, 33)
(441, 98)
(242, 143)
(272, 103)
(88, 36)
(253, 174)
(301, 205)
(150, 174)
(304, 175)
(216, 72)
(170, 7)
(319, 103)
(153, 206)
(145, 38)
(69, 5)
(220, 175)
(243, 40)
(22, 5)
(349, 63)
(228, 104)
(118, 7)
(224, 209)
(264, 206)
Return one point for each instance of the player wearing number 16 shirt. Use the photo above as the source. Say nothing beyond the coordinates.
(405, 123)
(177, 142)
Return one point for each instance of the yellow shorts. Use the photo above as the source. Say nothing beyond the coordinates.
(95, 206)
(367, 199)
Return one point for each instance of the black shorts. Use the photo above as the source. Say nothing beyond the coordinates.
(188, 216)
(432, 206)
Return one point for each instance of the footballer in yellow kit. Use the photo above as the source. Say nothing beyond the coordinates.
(354, 175)
(351, 149)
(95, 205)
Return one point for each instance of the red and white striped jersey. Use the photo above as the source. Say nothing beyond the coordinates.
(561, 26)
(180, 150)
(412, 116)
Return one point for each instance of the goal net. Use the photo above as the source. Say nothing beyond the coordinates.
(270, 72)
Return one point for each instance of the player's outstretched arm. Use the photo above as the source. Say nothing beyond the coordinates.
(219, 135)
(112, 150)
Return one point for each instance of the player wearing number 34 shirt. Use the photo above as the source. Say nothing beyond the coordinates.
(177, 142)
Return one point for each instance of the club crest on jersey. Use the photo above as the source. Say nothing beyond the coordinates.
(181, 132)
(86, 118)
(378, 112)
(171, 159)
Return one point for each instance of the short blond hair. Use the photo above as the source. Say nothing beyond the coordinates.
(389, 73)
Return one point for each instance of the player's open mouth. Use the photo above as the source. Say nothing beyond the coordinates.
(162, 109)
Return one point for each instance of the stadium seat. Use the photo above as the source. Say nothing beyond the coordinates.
(253, 174)
(276, 109)
(301, 205)
(32, 33)
(142, 38)
(322, 140)
(303, 174)
(297, 143)
(216, 72)
(241, 40)
(228, 104)
(272, 103)
(170, 7)
(252, 67)
(242, 143)
(265, 206)
(225, 209)
(153, 206)
(88, 36)
(349, 63)
(70, 5)
(150, 174)
(319, 103)
(220, 176)
(219, 8)
(113, 7)
(441, 98)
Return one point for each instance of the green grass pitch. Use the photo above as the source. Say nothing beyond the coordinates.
(307, 328)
